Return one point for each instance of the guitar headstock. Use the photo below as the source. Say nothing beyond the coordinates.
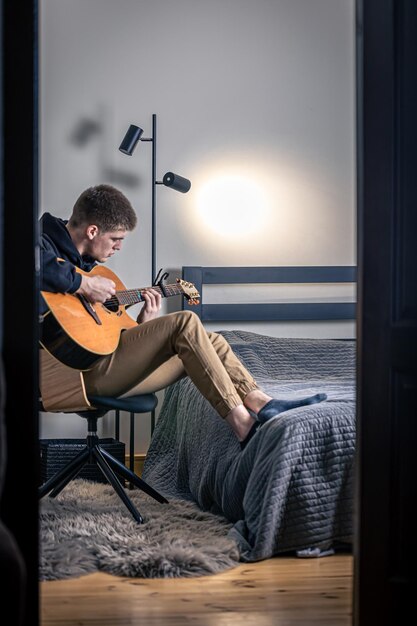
(189, 291)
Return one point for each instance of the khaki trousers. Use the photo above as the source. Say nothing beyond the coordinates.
(157, 353)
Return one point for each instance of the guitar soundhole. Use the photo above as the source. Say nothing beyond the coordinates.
(112, 305)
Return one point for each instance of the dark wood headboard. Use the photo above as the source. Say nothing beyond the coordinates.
(201, 276)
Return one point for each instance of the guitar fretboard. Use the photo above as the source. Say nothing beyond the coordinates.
(133, 296)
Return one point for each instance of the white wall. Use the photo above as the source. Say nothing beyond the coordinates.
(255, 104)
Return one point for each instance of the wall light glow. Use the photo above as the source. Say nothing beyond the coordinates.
(232, 205)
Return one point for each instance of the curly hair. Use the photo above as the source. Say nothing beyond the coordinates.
(106, 207)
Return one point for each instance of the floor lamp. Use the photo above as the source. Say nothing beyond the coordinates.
(174, 181)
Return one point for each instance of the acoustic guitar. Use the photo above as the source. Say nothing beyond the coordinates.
(78, 333)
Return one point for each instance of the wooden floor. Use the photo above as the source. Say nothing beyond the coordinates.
(276, 592)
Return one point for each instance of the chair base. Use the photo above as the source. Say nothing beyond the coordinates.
(111, 468)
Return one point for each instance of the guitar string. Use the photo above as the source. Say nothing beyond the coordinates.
(171, 290)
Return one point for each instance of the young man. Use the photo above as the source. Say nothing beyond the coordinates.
(159, 350)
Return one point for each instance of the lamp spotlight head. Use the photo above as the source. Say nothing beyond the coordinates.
(176, 182)
(130, 140)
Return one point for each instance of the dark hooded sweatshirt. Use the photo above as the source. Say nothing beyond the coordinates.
(59, 276)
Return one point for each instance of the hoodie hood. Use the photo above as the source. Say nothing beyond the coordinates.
(55, 231)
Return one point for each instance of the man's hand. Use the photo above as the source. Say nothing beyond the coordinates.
(151, 307)
(96, 288)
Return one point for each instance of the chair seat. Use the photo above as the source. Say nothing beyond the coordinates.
(144, 403)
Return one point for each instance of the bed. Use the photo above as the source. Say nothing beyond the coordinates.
(291, 488)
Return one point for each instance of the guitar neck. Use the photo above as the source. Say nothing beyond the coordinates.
(133, 296)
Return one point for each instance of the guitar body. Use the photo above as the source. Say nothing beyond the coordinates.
(77, 336)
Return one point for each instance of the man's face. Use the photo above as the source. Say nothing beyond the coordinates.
(102, 245)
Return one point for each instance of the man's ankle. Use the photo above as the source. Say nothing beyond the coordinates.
(240, 421)
(256, 400)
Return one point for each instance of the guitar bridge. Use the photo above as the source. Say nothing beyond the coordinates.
(89, 308)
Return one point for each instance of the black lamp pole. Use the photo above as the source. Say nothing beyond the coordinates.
(153, 208)
(128, 145)
(152, 140)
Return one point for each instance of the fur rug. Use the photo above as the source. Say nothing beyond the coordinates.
(88, 528)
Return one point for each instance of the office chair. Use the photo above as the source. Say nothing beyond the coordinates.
(93, 452)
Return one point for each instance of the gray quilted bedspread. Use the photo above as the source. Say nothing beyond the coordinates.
(292, 486)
